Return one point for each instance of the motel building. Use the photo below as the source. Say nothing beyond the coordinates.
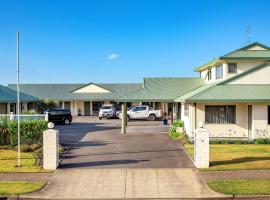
(231, 95)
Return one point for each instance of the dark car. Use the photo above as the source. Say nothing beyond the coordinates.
(60, 116)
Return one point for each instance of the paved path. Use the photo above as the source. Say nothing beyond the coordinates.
(125, 183)
(103, 163)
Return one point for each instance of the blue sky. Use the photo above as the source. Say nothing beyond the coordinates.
(122, 40)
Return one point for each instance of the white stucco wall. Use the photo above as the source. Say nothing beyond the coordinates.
(258, 77)
(241, 67)
(260, 126)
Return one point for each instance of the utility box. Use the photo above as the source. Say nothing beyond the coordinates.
(201, 147)
(50, 149)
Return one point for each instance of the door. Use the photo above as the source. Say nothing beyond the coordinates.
(67, 105)
(87, 108)
(13, 108)
(249, 121)
(96, 106)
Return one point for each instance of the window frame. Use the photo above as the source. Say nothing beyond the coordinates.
(268, 114)
(186, 110)
(230, 72)
(226, 110)
(221, 71)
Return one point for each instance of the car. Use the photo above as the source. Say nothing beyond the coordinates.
(60, 115)
(107, 111)
(143, 112)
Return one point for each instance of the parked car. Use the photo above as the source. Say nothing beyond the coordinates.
(107, 111)
(143, 112)
(60, 116)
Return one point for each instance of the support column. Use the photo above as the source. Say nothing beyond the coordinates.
(172, 113)
(124, 117)
(8, 108)
(91, 108)
(63, 104)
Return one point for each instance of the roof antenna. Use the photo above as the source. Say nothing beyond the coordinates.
(248, 33)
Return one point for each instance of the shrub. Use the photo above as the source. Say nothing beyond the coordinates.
(31, 131)
(178, 123)
(35, 147)
(24, 148)
(262, 141)
(230, 141)
(4, 123)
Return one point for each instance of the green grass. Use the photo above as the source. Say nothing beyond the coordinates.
(8, 162)
(19, 187)
(241, 187)
(236, 156)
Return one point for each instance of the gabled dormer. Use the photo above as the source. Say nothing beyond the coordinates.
(235, 62)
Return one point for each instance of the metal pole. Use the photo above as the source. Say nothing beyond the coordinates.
(18, 101)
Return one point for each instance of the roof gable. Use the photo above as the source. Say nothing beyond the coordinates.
(254, 51)
(255, 46)
(91, 88)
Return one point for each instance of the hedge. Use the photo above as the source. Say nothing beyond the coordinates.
(31, 132)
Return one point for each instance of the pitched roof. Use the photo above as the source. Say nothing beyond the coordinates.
(8, 95)
(224, 92)
(162, 89)
(65, 91)
(240, 54)
(233, 93)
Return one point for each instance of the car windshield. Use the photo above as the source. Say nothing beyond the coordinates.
(106, 107)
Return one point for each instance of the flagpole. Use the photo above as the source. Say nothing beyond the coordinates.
(18, 101)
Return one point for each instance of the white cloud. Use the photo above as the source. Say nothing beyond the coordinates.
(113, 56)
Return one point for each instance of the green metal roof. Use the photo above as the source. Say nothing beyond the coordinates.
(65, 91)
(240, 54)
(233, 93)
(211, 63)
(248, 55)
(162, 89)
(223, 92)
(8, 95)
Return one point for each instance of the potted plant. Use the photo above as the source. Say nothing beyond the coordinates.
(179, 125)
(79, 112)
(165, 119)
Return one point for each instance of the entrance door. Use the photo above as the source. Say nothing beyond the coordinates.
(67, 105)
(249, 121)
(13, 108)
(87, 108)
(96, 106)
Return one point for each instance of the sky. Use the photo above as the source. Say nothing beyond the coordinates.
(122, 41)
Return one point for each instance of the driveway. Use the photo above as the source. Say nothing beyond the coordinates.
(105, 164)
(101, 145)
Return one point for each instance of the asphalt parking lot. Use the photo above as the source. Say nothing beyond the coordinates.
(99, 144)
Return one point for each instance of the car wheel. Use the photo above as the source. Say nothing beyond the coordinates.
(128, 117)
(152, 117)
(67, 121)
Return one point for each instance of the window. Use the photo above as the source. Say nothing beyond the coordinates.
(268, 114)
(209, 75)
(220, 114)
(186, 110)
(219, 72)
(232, 68)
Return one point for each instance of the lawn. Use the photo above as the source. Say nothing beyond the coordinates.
(8, 162)
(237, 156)
(19, 187)
(241, 187)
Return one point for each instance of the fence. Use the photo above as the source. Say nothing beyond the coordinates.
(30, 117)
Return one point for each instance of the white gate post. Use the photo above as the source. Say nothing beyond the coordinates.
(11, 116)
(50, 148)
(201, 147)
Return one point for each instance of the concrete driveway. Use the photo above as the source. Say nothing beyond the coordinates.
(104, 164)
